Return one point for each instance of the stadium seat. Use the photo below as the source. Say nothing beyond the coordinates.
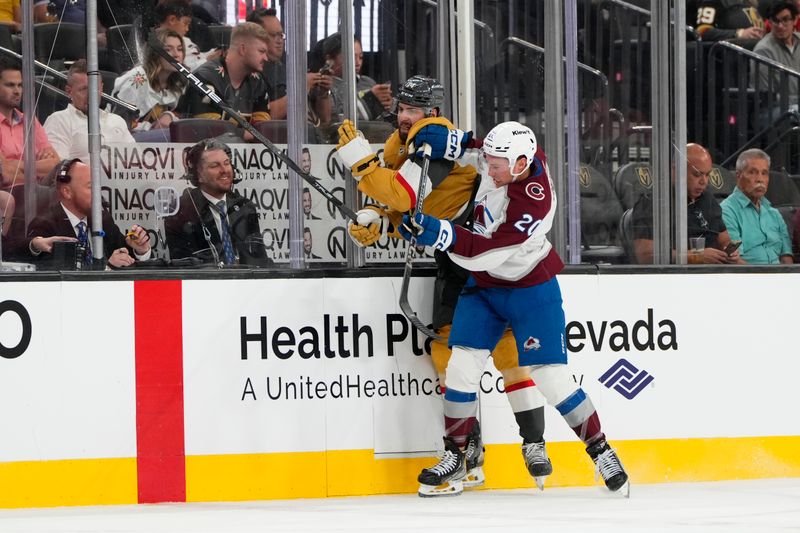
(600, 208)
(6, 40)
(276, 131)
(631, 181)
(123, 53)
(221, 34)
(190, 130)
(376, 131)
(782, 190)
(721, 182)
(626, 234)
(59, 43)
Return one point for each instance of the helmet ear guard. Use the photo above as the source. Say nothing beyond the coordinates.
(512, 140)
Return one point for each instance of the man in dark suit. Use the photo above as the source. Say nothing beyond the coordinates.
(214, 223)
(70, 220)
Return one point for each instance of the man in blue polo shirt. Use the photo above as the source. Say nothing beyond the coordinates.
(750, 217)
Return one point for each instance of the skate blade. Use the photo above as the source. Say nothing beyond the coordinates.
(474, 478)
(451, 488)
(539, 482)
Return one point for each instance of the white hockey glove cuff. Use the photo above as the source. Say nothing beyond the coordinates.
(371, 224)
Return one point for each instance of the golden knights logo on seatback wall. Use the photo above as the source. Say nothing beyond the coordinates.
(645, 178)
(584, 177)
(715, 178)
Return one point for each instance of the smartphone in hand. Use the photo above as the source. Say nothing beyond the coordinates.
(732, 247)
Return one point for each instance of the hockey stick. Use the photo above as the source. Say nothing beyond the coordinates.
(412, 244)
(311, 180)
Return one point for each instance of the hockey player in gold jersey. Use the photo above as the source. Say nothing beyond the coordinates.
(449, 193)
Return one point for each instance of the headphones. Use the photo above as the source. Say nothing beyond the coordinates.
(193, 155)
(61, 170)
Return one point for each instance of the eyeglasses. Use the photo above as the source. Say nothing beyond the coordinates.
(783, 20)
(275, 34)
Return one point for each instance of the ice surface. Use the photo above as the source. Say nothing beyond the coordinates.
(758, 505)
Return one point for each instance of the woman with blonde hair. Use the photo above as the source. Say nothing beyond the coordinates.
(154, 86)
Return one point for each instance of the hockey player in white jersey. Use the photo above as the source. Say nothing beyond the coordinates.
(513, 283)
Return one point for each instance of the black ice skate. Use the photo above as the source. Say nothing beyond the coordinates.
(473, 454)
(608, 465)
(446, 478)
(536, 460)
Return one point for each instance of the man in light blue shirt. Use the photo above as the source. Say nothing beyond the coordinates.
(750, 217)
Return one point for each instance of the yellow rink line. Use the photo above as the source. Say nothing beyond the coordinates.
(359, 472)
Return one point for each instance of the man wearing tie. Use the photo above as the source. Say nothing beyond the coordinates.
(215, 223)
(70, 220)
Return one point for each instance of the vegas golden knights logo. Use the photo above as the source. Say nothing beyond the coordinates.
(645, 178)
(715, 178)
(584, 177)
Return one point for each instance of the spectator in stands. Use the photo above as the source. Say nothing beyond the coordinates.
(373, 98)
(12, 135)
(796, 236)
(750, 217)
(7, 206)
(236, 77)
(719, 20)
(781, 45)
(73, 11)
(10, 13)
(768, 23)
(317, 84)
(704, 217)
(67, 129)
(176, 15)
(214, 223)
(155, 86)
(70, 220)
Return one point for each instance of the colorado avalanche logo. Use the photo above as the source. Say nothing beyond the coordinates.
(532, 344)
(482, 218)
(535, 190)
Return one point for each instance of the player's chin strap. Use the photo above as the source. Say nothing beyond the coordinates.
(212, 96)
(404, 305)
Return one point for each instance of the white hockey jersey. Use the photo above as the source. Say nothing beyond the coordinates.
(507, 245)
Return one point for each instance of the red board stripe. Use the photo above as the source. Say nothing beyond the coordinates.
(159, 391)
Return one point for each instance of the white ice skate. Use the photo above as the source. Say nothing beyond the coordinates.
(446, 478)
(539, 465)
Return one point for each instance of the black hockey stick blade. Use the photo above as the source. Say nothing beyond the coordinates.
(198, 84)
(404, 305)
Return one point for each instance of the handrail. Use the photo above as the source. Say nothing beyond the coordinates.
(631, 7)
(755, 57)
(482, 25)
(793, 129)
(642, 11)
(525, 44)
(52, 88)
(788, 115)
(63, 76)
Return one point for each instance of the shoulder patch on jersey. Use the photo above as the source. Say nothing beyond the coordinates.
(535, 190)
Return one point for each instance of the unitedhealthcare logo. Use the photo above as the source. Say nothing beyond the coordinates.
(626, 379)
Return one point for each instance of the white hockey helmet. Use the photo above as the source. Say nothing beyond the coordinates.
(511, 140)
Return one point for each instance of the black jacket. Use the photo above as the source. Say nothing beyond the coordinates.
(55, 222)
(186, 236)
